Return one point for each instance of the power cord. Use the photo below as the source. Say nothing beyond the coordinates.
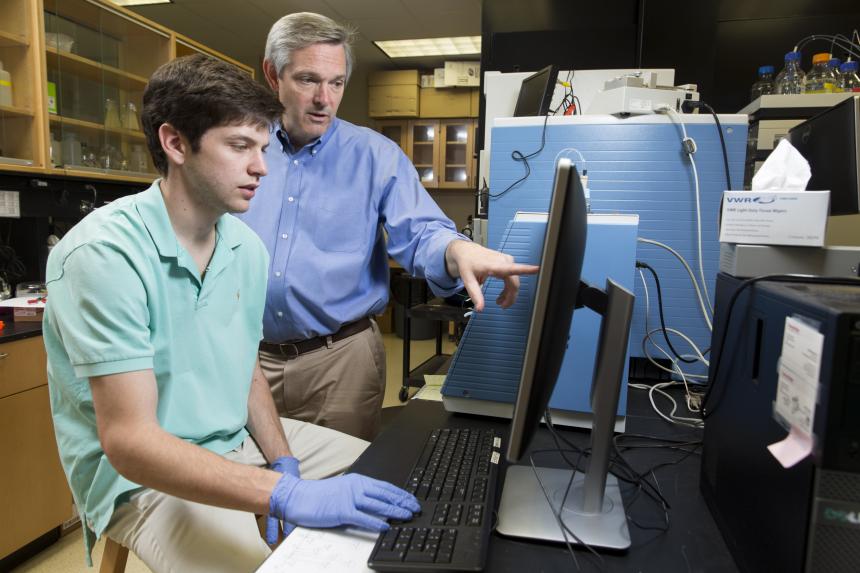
(690, 105)
(517, 155)
(689, 146)
(646, 266)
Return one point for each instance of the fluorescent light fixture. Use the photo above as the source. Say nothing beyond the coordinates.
(140, 2)
(458, 46)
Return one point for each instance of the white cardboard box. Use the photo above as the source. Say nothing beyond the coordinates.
(775, 217)
(462, 74)
(439, 78)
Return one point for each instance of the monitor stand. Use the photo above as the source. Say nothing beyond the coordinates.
(593, 511)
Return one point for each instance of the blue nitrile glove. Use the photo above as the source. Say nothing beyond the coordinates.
(285, 465)
(351, 499)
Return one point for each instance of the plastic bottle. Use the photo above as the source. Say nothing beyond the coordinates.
(791, 79)
(850, 80)
(820, 80)
(764, 85)
(5, 87)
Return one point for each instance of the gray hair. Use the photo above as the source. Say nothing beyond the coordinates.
(302, 29)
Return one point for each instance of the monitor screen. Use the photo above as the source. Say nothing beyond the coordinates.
(555, 299)
(830, 142)
(592, 504)
(536, 93)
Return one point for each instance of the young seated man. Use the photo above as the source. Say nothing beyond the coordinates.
(166, 426)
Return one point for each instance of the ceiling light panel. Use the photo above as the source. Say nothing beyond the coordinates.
(462, 45)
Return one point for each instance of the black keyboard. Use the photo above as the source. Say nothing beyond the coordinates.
(455, 482)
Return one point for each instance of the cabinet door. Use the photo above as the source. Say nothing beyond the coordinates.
(456, 153)
(98, 61)
(424, 146)
(22, 134)
(34, 496)
(397, 131)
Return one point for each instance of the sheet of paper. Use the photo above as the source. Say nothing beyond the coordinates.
(799, 368)
(792, 449)
(342, 550)
(432, 389)
(23, 302)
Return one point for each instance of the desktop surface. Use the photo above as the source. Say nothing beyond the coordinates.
(692, 543)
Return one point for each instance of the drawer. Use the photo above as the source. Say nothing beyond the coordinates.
(23, 365)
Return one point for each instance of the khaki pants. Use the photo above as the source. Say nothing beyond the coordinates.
(339, 387)
(170, 534)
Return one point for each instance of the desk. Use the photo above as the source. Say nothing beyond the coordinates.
(693, 542)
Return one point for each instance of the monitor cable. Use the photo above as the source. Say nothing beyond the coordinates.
(518, 156)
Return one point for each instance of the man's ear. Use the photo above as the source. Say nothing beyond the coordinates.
(174, 145)
(271, 74)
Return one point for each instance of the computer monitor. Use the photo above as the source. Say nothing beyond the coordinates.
(536, 93)
(535, 503)
(830, 142)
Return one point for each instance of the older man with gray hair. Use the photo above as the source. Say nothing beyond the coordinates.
(332, 189)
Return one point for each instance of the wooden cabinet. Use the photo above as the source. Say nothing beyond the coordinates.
(441, 150)
(78, 69)
(34, 495)
(22, 145)
(98, 61)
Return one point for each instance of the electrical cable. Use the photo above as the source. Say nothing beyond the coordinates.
(640, 264)
(694, 104)
(517, 155)
(683, 261)
(689, 146)
(783, 278)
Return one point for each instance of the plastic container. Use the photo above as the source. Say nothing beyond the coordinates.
(850, 80)
(792, 78)
(764, 85)
(5, 87)
(137, 159)
(71, 149)
(56, 151)
(821, 79)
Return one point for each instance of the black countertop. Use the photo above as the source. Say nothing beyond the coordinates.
(18, 330)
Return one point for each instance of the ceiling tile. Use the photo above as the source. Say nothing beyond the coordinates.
(354, 10)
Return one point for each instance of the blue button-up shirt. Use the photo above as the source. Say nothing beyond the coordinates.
(321, 211)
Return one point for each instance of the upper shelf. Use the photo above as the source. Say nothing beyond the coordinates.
(16, 111)
(8, 39)
(94, 70)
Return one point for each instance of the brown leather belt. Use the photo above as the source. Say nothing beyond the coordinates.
(295, 349)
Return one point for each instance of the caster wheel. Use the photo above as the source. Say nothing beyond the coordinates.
(404, 394)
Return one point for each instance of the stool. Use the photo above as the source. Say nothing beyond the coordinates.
(114, 557)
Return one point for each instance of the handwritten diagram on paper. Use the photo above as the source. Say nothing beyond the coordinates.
(322, 551)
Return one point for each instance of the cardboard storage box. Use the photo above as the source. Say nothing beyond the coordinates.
(474, 103)
(393, 94)
(463, 74)
(436, 102)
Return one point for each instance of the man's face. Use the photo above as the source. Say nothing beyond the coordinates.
(310, 88)
(224, 173)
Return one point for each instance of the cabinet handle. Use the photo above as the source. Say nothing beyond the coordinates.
(3, 355)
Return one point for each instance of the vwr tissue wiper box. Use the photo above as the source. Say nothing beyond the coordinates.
(777, 217)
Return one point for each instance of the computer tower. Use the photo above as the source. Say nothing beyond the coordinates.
(805, 518)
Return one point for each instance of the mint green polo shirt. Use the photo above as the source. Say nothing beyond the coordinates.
(124, 295)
